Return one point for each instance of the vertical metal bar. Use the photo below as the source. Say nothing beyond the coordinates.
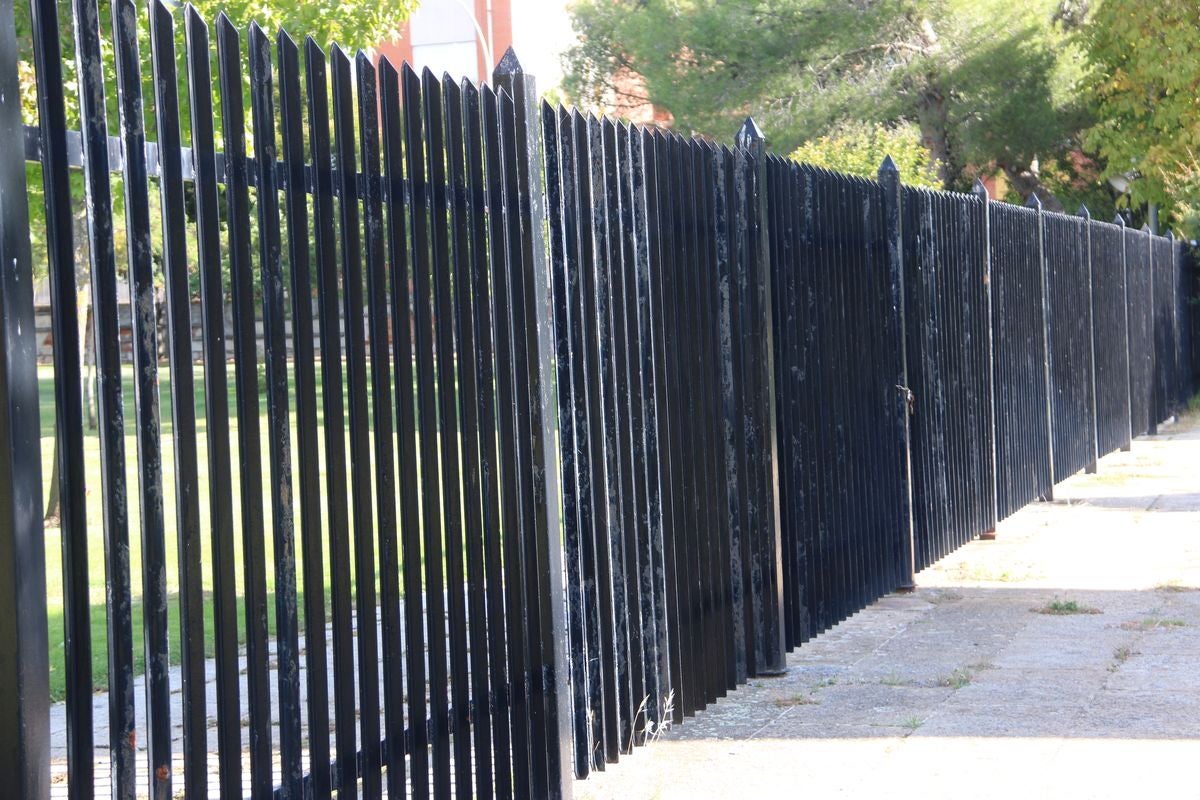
(287, 646)
(345, 771)
(666, 391)
(418, 116)
(360, 443)
(246, 379)
(649, 320)
(24, 648)
(620, 266)
(991, 440)
(145, 389)
(497, 109)
(1040, 234)
(752, 139)
(445, 141)
(68, 399)
(559, 201)
(122, 734)
(697, 159)
(410, 544)
(1127, 434)
(1089, 265)
(216, 406)
(551, 695)
(642, 375)
(593, 314)
(183, 399)
(889, 181)
(685, 307)
(487, 236)
(730, 219)
(381, 417)
(600, 137)
(502, 202)
(308, 454)
(471, 262)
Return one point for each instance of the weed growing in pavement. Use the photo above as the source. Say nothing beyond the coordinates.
(1066, 608)
(957, 679)
(1153, 623)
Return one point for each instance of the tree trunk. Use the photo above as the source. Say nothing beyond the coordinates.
(934, 125)
(1026, 182)
(53, 515)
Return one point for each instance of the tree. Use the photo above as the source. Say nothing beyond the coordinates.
(989, 83)
(859, 149)
(354, 24)
(1144, 75)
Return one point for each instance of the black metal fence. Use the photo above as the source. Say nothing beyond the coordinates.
(589, 424)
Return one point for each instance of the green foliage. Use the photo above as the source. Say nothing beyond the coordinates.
(1144, 59)
(859, 149)
(352, 24)
(988, 82)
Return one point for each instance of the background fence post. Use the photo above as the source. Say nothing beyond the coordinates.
(1119, 221)
(889, 181)
(552, 642)
(1036, 204)
(1090, 469)
(24, 650)
(751, 139)
(989, 429)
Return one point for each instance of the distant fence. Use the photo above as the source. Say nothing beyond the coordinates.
(601, 422)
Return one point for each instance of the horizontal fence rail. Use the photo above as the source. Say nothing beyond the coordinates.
(478, 441)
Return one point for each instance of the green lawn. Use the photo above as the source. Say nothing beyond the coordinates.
(96, 567)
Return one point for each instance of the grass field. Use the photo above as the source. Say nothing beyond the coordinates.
(96, 562)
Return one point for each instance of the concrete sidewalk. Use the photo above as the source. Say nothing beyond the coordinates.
(965, 688)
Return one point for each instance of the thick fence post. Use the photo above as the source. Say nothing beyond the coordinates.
(1090, 469)
(1119, 221)
(989, 428)
(889, 181)
(24, 650)
(1036, 205)
(1152, 342)
(550, 643)
(751, 139)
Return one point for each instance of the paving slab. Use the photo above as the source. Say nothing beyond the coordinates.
(964, 688)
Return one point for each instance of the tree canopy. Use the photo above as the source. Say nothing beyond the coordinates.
(990, 84)
(859, 149)
(1144, 62)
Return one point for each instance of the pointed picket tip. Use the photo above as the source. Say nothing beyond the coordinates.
(1033, 201)
(509, 64)
(749, 134)
(224, 23)
(162, 14)
(194, 21)
(980, 190)
(1083, 211)
(284, 39)
(888, 167)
